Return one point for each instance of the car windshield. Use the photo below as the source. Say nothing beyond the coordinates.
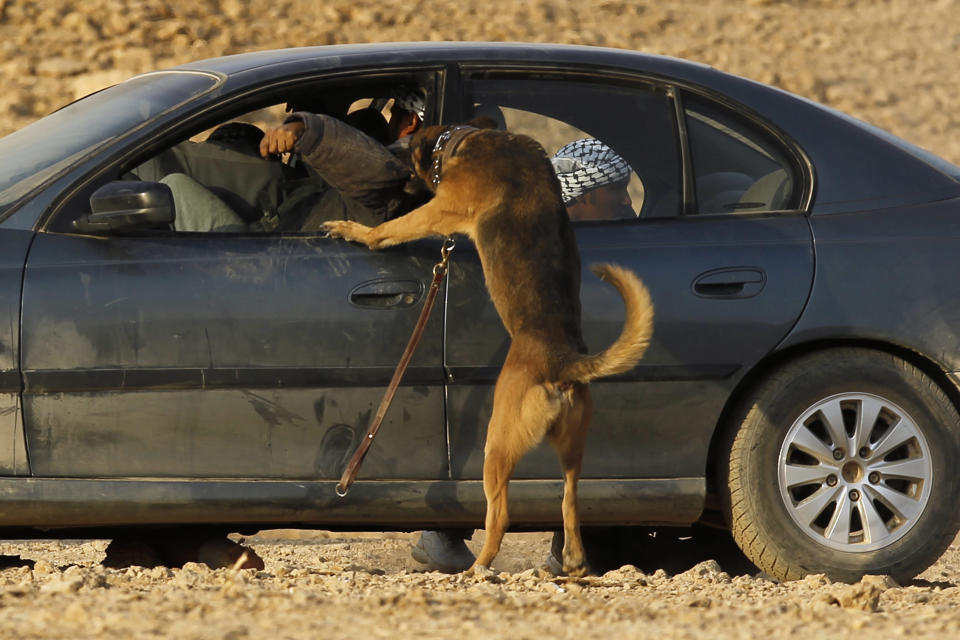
(42, 149)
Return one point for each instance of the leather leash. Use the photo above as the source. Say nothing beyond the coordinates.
(439, 271)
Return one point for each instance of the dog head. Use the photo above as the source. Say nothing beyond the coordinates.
(422, 146)
(428, 142)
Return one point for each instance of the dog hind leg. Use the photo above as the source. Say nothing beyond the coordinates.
(497, 467)
(519, 421)
(568, 439)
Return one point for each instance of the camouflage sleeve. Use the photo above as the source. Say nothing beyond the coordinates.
(352, 162)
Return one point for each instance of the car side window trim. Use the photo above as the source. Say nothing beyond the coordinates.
(689, 191)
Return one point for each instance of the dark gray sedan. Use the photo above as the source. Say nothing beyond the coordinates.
(801, 388)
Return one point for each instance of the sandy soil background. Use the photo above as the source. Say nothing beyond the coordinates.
(890, 62)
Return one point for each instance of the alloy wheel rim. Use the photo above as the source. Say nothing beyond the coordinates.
(855, 472)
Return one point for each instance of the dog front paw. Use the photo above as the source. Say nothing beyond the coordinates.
(346, 229)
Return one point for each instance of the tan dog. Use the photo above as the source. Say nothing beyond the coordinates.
(499, 189)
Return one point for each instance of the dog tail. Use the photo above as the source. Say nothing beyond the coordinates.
(626, 350)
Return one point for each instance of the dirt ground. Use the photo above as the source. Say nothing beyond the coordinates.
(353, 585)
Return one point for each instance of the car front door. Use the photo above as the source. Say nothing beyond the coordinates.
(220, 355)
(727, 284)
(253, 354)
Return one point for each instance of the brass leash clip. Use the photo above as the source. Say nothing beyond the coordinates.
(448, 244)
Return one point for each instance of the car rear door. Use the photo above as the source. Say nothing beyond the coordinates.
(727, 283)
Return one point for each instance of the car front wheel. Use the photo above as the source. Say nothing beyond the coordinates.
(844, 463)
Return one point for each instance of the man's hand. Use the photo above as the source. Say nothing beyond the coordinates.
(281, 139)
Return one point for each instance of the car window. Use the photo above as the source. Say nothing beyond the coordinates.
(737, 167)
(263, 119)
(631, 127)
(220, 182)
(217, 177)
(554, 135)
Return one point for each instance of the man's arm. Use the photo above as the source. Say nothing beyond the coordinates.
(349, 160)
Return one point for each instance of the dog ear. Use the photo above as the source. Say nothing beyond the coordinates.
(483, 122)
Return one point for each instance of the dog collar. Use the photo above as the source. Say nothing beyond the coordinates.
(445, 148)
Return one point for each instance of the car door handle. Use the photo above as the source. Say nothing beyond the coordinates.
(737, 282)
(386, 294)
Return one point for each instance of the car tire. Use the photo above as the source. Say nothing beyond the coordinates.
(844, 463)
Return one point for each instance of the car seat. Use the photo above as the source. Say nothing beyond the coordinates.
(770, 193)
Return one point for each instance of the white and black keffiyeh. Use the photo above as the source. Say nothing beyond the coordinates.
(585, 164)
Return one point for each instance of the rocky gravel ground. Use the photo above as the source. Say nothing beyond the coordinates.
(338, 585)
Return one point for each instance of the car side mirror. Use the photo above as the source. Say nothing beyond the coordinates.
(125, 205)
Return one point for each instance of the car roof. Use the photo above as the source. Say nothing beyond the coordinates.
(391, 53)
